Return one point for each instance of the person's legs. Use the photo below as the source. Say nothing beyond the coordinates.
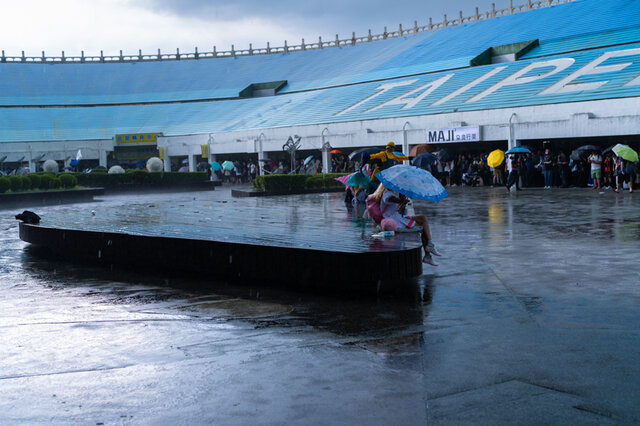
(421, 220)
(427, 243)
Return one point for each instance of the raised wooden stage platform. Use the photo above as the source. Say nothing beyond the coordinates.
(305, 241)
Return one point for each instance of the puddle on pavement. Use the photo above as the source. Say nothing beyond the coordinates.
(235, 308)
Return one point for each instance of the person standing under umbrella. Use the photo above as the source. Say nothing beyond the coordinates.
(388, 158)
(391, 204)
(596, 168)
(513, 177)
(626, 174)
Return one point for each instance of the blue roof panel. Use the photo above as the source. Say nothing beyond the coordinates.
(578, 25)
(402, 97)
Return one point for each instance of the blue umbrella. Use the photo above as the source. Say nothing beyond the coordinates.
(307, 160)
(424, 160)
(228, 165)
(215, 166)
(413, 182)
(518, 150)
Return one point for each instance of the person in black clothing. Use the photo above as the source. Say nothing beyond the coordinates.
(563, 168)
(513, 174)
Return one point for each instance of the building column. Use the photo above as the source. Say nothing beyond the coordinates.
(102, 157)
(192, 162)
(263, 157)
(405, 142)
(167, 163)
(512, 133)
(326, 156)
(32, 165)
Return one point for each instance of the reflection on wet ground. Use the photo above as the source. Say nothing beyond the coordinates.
(531, 315)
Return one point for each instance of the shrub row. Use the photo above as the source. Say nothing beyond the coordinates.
(41, 180)
(138, 177)
(277, 183)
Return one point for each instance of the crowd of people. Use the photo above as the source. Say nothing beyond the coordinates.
(542, 168)
(246, 171)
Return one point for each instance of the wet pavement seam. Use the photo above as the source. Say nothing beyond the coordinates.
(56, 373)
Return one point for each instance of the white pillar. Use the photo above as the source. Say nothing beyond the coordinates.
(326, 156)
(32, 165)
(262, 156)
(167, 162)
(512, 134)
(326, 161)
(192, 162)
(405, 142)
(102, 157)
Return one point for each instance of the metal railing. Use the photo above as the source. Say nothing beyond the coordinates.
(286, 48)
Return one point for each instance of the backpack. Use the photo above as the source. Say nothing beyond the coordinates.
(373, 209)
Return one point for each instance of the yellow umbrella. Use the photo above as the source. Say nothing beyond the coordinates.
(495, 158)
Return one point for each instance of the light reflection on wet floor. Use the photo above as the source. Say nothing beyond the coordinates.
(536, 287)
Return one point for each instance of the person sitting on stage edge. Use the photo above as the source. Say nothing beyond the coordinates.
(391, 204)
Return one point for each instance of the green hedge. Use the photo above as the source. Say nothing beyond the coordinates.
(68, 180)
(138, 177)
(16, 183)
(296, 182)
(26, 183)
(45, 180)
(35, 180)
(324, 180)
(5, 184)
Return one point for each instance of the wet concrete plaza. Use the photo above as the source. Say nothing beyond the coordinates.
(531, 318)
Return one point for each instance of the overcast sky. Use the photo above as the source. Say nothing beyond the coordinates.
(111, 25)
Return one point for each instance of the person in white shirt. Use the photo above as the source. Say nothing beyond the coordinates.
(596, 168)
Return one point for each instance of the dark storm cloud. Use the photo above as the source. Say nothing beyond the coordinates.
(327, 13)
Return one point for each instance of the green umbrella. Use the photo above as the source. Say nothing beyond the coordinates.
(358, 179)
(625, 152)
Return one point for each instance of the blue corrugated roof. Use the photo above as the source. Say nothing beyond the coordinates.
(332, 79)
(324, 106)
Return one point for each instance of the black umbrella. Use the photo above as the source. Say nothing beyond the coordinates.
(203, 166)
(578, 154)
(445, 155)
(424, 160)
(588, 148)
(608, 149)
(357, 152)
